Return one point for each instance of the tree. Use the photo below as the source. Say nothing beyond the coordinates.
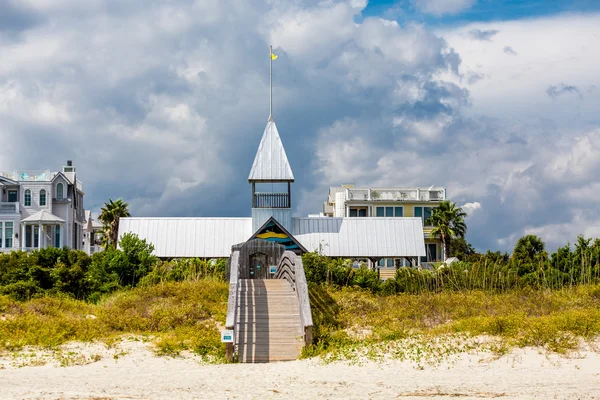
(109, 216)
(448, 221)
(460, 248)
(529, 249)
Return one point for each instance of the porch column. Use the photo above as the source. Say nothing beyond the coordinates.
(40, 236)
(22, 237)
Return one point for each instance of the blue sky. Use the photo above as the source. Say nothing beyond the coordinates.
(480, 11)
(164, 103)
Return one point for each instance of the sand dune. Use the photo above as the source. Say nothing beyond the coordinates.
(132, 371)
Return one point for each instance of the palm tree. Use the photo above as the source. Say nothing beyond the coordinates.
(448, 221)
(110, 215)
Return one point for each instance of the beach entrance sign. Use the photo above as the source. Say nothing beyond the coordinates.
(273, 269)
(227, 336)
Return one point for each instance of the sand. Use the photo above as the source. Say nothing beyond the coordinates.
(132, 371)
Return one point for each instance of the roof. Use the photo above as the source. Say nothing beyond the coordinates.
(189, 237)
(271, 162)
(361, 237)
(338, 237)
(43, 217)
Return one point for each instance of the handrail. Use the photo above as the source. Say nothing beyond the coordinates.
(230, 319)
(291, 268)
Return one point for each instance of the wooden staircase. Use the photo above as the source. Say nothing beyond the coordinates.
(268, 324)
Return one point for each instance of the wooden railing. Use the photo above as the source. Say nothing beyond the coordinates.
(291, 268)
(271, 200)
(232, 302)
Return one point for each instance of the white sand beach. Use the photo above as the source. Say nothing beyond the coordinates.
(131, 371)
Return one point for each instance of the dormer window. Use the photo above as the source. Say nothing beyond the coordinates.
(59, 192)
(28, 198)
(42, 197)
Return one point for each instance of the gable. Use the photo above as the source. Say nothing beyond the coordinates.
(273, 231)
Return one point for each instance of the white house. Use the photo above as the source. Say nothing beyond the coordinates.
(40, 209)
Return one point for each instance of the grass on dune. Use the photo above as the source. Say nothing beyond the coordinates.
(179, 316)
(348, 320)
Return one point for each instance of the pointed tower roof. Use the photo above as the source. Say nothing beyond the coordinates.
(271, 163)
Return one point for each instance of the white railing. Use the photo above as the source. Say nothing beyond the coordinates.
(29, 176)
(391, 194)
(9, 208)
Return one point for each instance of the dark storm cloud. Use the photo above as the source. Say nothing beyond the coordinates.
(16, 17)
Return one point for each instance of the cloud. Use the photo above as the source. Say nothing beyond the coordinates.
(164, 104)
(470, 208)
(483, 35)
(561, 89)
(443, 7)
(510, 51)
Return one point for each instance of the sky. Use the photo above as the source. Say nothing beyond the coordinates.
(164, 103)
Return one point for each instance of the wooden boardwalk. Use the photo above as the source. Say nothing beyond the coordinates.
(268, 321)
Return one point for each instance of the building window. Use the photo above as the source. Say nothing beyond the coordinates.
(358, 212)
(389, 211)
(42, 197)
(28, 198)
(431, 249)
(12, 196)
(59, 192)
(57, 236)
(424, 213)
(8, 235)
(385, 262)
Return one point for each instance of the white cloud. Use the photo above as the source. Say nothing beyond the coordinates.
(470, 208)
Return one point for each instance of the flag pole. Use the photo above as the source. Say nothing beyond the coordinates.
(271, 82)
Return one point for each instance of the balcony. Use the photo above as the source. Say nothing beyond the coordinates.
(29, 176)
(271, 200)
(9, 208)
(391, 194)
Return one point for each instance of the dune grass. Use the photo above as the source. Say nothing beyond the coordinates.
(350, 322)
(176, 316)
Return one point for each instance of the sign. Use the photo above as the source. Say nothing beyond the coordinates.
(227, 336)
(273, 269)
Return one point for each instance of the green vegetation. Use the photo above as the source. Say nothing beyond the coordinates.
(70, 273)
(109, 216)
(352, 322)
(448, 221)
(177, 316)
(529, 267)
(53, 296)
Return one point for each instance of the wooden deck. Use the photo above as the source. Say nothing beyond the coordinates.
(268, 321)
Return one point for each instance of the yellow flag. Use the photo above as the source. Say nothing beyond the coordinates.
(273, 56)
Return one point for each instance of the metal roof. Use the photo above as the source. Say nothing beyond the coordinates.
(189, 237)
(43, 217)
(271, 162)
(338, 237)
(361, 237)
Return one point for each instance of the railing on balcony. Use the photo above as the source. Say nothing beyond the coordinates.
(29, 176)
(9, 208)
(271, 200)
(385, 194)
